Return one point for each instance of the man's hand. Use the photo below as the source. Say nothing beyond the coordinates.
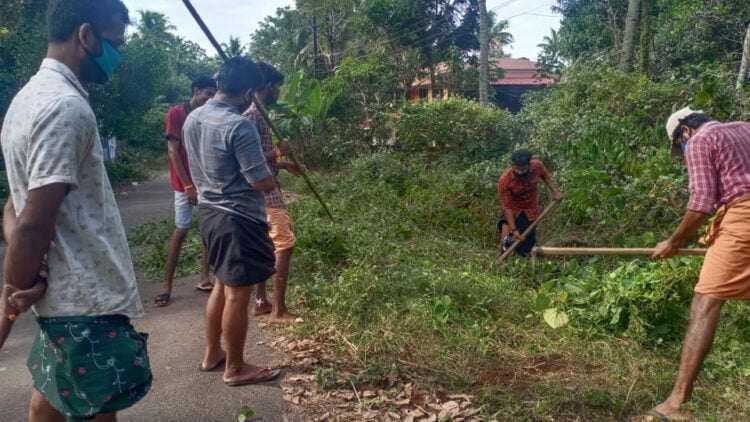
(665, 249)
(192, 195)
(557, 196)
(291, 168)
(14, 301)
(285, 148)
(517, 234)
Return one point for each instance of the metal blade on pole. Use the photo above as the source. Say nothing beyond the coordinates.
(258, 105)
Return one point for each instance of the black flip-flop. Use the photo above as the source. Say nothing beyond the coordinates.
(271, 374)
(162, 300)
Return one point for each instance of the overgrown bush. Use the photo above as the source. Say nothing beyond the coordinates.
(456, 126)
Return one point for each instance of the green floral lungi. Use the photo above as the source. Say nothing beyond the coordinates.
(85, 366)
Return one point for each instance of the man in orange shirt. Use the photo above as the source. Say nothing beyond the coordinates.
(517, 190)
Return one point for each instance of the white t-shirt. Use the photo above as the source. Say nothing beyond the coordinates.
(50, 136)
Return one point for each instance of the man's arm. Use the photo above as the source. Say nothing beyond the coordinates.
(9, 219)
(173, 152)
(32, 234)
(557, 196)
(691, 222)
(28, 235)
(503, 194)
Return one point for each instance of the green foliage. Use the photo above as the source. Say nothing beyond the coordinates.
(124, 169)
(246, 414)
(457, 126)
(303, 117)
(150, 243)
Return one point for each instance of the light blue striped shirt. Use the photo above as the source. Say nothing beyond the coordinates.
(225, 157)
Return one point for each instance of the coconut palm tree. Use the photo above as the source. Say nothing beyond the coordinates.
(549, 62)
(499, 35)
(234, 48)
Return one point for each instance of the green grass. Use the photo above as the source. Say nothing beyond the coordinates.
(408, 277)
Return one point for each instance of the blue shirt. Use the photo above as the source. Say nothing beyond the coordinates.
(225, 157)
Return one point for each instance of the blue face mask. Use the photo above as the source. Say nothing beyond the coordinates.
(683, 145)
(109, 59)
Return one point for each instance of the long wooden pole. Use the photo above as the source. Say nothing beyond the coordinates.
(526, 232)
(552, 250)
(258, 105)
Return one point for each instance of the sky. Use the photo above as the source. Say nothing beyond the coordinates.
(529, 20)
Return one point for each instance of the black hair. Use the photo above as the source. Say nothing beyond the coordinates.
(64, 17)
(239, 74)
(693, 121)
(271, 74)
(522, 157)
(202, 82)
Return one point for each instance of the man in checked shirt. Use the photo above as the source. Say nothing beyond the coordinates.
(278, 216)
(717, 156)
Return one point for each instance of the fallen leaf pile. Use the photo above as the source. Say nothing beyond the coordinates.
(305, 379)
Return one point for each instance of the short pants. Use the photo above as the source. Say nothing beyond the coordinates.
(281, 228)
(522, 223)
(239, 249)
(85, 366)
(183, 211)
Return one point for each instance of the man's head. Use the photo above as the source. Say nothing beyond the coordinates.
(273, 80)
(203, 89)
(238, 78)
(683, 123)
(87, 34)
(521, 160)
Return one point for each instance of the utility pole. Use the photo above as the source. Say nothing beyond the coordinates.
(631, 27)
(484, 49)
(745, 57)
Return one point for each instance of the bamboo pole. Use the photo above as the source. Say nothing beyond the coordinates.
(526, 232)
(552, 250)
(258, 105)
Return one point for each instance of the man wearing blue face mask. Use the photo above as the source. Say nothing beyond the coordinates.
(86, 361)
(717, 157)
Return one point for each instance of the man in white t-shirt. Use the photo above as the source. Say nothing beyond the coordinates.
(87, 361)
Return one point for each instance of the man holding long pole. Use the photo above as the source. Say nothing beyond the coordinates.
(717, 156)
(279, 218)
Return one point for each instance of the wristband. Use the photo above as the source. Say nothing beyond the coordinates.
(186, 187)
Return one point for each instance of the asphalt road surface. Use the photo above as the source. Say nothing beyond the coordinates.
(180, 392)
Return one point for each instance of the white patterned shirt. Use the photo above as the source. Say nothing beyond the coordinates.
(50, 136)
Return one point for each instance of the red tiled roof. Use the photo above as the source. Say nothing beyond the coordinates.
(523, 81)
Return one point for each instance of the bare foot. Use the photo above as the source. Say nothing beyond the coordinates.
(261, 308)
(285, 317)
(210, 363)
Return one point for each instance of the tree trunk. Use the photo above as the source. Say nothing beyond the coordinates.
(628, 42)
(647, 39)
(484, 48)
(745, 57)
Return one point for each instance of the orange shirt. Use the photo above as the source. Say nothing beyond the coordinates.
(520, 194)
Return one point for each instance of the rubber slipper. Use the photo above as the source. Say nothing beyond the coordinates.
(219, 365)
(271, 374)
(205, 287)
(162, 300)
(654, 416)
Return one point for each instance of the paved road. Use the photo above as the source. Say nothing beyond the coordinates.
(180, 392)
